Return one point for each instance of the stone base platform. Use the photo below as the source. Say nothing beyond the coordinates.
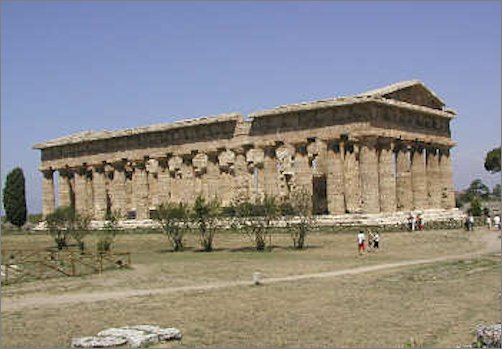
(345, 220)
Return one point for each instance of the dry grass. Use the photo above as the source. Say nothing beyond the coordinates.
(437, 305)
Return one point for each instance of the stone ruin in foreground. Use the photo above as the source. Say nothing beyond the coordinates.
(383, 151)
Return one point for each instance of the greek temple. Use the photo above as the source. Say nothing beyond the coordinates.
(382, 151)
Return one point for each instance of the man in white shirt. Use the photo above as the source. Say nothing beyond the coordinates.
(496, 222)
(360, 241)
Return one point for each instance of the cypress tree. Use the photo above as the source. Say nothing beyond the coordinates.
(14, 199)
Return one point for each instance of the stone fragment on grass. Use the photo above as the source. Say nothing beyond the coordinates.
(138, 336)
(488, 336)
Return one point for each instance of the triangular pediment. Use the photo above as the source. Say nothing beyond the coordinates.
(410, 91)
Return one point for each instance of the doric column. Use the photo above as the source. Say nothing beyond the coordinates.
(47, 192)
(433, 178)
(140, 190)
(386, 178)
(187, 190)
(418, 178)
(404, 193)
(152, 168)
(368, 169)
(212, 177)
(163, 181)
(447, 189)
(351, 178)
(80, 175)
(64, 188)
(175, 165)
(241, 176)
(118, 189)
(303, 171)
(334, 179)
(255, 158)
(99, 190)
(270, 172)
(89, 188)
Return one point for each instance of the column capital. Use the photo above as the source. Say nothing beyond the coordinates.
(48, 173)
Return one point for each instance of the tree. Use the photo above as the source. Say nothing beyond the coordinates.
(496, 191)
(492, 160)
(477, 189)
(205, 215)
(14, 199)
(175, 222)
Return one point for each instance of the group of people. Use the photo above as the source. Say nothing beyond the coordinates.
(490, 222)
(373, 241)
(415, 223)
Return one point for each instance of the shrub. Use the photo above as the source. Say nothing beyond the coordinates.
(475, 209)
(175, 222)
(59, 224)
(254, 220)
(205, 216)
(300, 202)
(107, 235)
(14, 199)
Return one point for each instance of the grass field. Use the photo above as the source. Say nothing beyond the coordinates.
(436, 304)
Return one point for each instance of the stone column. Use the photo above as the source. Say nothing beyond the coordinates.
(118, 189)
(140, 190)
(152, 168)
(418, 178)
(80, 175)
(163, 181)
(404, 192)
(99, 189)
(64, 189)
(447, 189)
(351, 176)
(89, 188)
(48, 199)
(368, 169)
(334, 179)
(175, 164)
(270, 172)
(433, 178)
(255, 158)
(386, 178)
(187, 189)
(212, 177)
(241, 176)
(303, 172)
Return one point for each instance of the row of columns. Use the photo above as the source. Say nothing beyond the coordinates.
(369, 175)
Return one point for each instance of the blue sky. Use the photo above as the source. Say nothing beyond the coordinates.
(70, 66)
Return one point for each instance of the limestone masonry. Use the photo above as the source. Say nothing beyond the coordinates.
(385, 150)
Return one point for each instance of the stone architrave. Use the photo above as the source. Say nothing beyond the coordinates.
(404, 192)
(334, 179)
(140, 190)
(418, 178)
(433, 178)
(99, 189)
(48, 198)
(447, 189)
(386, 178)
(80, 175)
(64, 188)
(351, 175)
(368, 170)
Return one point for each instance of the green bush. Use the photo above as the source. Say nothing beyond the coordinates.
(204, 215)
(175, 222)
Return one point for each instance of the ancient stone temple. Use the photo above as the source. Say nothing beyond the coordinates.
(385, 150)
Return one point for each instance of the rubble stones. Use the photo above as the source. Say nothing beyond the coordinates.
(488, 336)
(139, 336)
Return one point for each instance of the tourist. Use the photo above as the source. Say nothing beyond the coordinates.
(360, 241)
(376, 240)
(420, 223)
(496, 222)
(370, 240)
(470, 220)
(411, 222)
(488, 222)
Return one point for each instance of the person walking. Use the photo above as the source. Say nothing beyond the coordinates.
(496, 222)
(488, 222)
(471, 222)
(376, 241)
(360, 242)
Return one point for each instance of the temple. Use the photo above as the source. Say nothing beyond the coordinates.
(385, 150)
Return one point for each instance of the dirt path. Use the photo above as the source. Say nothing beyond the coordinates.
(492, 245)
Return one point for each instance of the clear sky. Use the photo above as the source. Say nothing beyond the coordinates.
(70, 66)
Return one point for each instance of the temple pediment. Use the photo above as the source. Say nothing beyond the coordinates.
(410, 91)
